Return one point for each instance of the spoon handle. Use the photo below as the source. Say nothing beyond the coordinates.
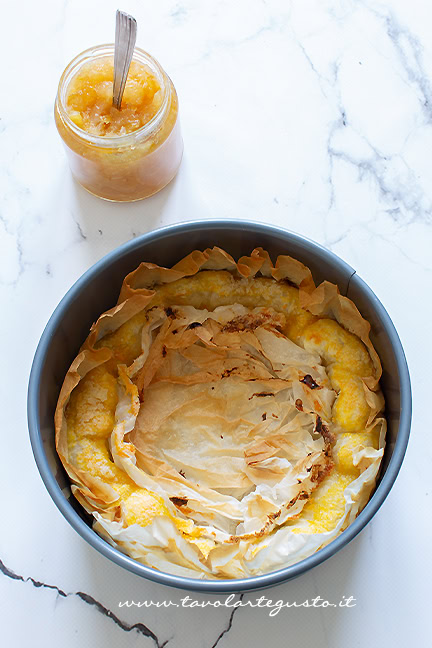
(125, 37)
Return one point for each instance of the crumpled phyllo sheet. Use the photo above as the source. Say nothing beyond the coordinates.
(224, 419)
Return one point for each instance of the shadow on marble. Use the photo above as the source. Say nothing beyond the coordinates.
(116, 222)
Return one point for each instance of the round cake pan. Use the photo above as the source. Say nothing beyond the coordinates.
(97, 290)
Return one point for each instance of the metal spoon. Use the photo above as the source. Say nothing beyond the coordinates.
(125, 37)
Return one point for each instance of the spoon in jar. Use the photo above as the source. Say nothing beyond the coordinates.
(125, 37)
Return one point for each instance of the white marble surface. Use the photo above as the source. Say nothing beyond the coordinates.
(314, 115)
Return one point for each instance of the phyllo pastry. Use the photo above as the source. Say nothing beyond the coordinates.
(224, 419)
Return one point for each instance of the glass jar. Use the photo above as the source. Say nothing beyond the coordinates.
(125, 167)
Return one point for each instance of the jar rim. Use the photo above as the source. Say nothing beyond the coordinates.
(100, 51)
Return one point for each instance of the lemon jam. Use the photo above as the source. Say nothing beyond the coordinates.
(119, 155)
(89, 99)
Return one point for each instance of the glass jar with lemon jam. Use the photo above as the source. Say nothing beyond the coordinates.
(119, 155)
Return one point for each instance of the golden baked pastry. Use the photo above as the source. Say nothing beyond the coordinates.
(223, 420)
